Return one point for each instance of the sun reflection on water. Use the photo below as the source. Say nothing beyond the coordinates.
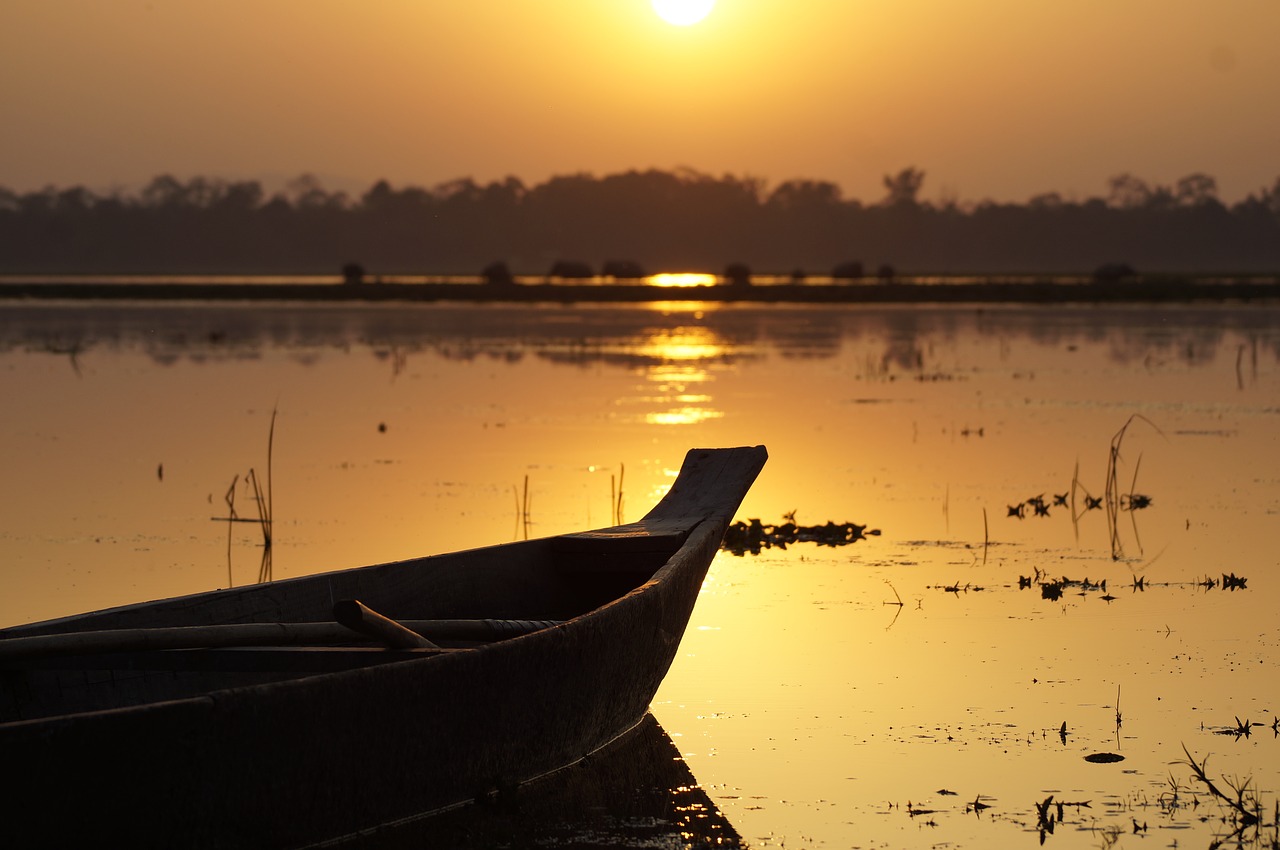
(681, 357)
(682, 345)
(682, 416)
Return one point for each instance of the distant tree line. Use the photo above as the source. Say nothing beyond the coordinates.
(651, 220)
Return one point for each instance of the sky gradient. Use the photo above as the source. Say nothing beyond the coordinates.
(994, 100)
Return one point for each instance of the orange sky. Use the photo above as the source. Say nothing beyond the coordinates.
(993, 99)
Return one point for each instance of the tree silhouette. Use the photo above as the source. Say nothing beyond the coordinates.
(1128, 192)
(679, 220)
(902, 188)
(1196, 190)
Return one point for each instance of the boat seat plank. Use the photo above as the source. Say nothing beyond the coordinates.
(19, 649)
(247, 659)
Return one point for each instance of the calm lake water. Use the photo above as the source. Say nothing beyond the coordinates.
(929, 686)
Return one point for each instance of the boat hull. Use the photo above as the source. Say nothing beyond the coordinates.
(319, 757)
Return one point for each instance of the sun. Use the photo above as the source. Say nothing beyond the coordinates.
(683, 13)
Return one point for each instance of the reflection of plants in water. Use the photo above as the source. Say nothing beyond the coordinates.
(261, 493)
(1243, 804)
(615, 494)
(754, 536)
(523, 520)
(1116, 500)
(1054, 588)
(1244, 728)
(1244, 813)
(71, 350)
(524, 503)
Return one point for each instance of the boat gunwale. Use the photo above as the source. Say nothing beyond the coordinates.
(662, 574)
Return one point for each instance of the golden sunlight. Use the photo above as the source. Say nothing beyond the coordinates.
(682, 345)
(682, 355)
(682, 279)
(682, 416)
(683, 13)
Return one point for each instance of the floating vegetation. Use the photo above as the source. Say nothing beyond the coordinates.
(754, 536)
(1230, 582)
(1050, 813)
(1054, 588)
(1038, 505)
(1078, 500)
(1242, 728)
(958, 588)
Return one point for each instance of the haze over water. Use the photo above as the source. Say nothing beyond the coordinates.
(816, 710)
(937, 684)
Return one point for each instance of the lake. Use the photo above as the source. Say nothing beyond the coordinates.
(938, 683)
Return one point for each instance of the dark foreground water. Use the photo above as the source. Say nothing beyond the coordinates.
(966, 678)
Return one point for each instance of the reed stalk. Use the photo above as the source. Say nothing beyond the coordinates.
(1244, 803)
(1113, 498)
(262, 497)
(522, 509)
(230, 499)
(617, 502)
(986, 536)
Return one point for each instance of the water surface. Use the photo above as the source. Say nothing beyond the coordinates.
(814, 709)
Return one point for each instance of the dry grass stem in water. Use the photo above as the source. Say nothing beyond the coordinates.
(1116, 501)
(262, 497)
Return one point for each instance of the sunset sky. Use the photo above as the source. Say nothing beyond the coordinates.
(992, 99)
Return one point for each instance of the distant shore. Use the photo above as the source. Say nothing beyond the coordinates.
(978, 290)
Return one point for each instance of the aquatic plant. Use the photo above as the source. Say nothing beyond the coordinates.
(615, 494)
(754, 536)
(262, 498)
(522, 510)
(1243, 802)
(1114, 499)
(1054, 588)
(1240, 730)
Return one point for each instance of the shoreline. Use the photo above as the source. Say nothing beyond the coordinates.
(1127, 290)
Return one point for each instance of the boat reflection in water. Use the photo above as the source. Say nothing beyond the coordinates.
(637, 793)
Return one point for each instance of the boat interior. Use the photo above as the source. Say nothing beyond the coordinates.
(456, 603)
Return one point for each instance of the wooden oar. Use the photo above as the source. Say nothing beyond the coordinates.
(246, 634)
(358, 617)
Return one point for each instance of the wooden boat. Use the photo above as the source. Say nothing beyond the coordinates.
(249, 718)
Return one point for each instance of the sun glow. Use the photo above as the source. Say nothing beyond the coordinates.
(682, 279)
(683, 13)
